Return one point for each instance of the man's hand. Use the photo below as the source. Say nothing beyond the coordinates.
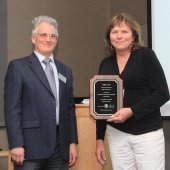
(100, 151)
(17, 155)
(73, 154)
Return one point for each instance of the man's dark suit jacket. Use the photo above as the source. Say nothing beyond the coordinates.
(30, 108)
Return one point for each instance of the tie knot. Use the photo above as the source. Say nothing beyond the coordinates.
(47, 61)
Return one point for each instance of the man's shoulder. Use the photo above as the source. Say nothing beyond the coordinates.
(21, 59)
(24, 59)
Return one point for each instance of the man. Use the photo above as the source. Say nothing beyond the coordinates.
(39, 111)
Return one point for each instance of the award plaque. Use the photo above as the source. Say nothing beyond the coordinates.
(106, 95)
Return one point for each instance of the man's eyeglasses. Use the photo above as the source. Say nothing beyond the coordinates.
(45, 35)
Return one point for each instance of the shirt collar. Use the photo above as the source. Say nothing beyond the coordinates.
(42, 57)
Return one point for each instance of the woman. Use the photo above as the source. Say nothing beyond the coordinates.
(135, 135)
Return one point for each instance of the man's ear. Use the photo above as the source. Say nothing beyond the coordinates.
(33, 39)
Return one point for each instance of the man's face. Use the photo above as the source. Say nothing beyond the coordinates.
(45, 39)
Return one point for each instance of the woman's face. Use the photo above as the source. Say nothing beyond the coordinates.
(121, 37)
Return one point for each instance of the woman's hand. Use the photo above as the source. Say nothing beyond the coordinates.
(100, 151)
(121, 116)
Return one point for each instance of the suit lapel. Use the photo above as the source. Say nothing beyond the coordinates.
(62, 72)
(36, 67)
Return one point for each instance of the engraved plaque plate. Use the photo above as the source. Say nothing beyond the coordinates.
(106, 95)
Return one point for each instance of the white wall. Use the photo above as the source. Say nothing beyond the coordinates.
(161, 39)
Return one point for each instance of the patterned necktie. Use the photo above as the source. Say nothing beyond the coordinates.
(50, 76)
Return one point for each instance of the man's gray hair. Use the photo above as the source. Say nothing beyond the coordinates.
(38, 20)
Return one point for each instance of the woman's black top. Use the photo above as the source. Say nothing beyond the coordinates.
(145, 90)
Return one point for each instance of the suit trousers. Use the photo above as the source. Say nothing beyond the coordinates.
(136, 152)
(54, 162)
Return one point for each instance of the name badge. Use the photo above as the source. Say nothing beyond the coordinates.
(62, 78)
